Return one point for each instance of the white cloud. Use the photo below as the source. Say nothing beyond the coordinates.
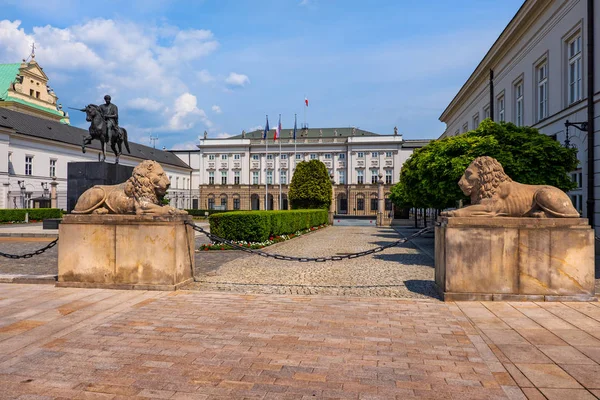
(235, 79)
(223, 135)
(186, 112)
(188, 45)
(205, 77)
(255, 128)
(145, 104)
(216, 109)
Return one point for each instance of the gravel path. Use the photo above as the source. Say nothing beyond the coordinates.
(402, 271)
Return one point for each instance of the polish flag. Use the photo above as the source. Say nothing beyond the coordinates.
(277, 130)
(306, 101)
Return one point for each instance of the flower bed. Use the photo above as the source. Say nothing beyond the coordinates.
(259, 245)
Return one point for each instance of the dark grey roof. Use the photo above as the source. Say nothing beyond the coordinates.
(33, 126)
(416, 143)
(308, 133)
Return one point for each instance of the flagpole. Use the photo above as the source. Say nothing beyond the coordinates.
(267, 165)
(295, 116)
(279, 139)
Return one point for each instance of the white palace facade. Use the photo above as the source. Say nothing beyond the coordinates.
(542, 72)
(240, 173)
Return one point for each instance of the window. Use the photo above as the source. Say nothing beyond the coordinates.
(476, 121)
(388, 204)
(519, 103)
(236, 156)
(223, 156)
(577, 200)
(283, 177)
(313, 156)
(360, 176)
(223, 177)
(341, 177)
(457, 132)
(224, 202)
(211, 203)
(298, 156)
(211, 177)
(373, 203)
(342, 156)
(52, 168)
(360, 154)
(501, 109)
(28, 165)
(388, 176)
(236, 203)
(542, 90)
(389, 154)
(211, 157)
(360, 204)
(328, 156)
(31, 92)
(574, 78)
(486, 112)
(177, 183)
(255, 157)
(374, 176)
(465, 127)
(255, 177)
(269, 156)
(37, 95)
(374, 154)
(284, 156)
(236, 177)
(270, 177)
(577, 177)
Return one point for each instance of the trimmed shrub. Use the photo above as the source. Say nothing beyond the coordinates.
(258, 226)
(200, 213)
(18, 215)
(310, 187)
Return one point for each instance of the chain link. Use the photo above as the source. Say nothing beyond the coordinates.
(216, 238)
(29, 255)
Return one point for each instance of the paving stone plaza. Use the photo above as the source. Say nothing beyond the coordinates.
(257, 328)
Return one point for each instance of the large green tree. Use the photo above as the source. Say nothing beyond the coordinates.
(429, 178)
(311, 186)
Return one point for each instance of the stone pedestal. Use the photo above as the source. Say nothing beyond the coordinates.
(83, 175)
(516, 259)
(125, 251)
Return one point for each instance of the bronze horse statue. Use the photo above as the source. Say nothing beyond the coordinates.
(99, 131)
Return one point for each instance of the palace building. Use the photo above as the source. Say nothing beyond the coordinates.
(542, 72)
(240, 173)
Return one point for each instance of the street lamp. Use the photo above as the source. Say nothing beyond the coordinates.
(22, 188)
(45, 188)
(582, 126)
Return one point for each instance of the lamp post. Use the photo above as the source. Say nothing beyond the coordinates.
(22, 188)
(380, 200)
(332, 204)
(53, 199)
(582, 126)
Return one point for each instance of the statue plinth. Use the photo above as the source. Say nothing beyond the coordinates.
(514, 259)
(125, 251)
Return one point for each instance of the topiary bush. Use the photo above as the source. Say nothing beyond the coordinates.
(18, 215)
(310, 187)
(201, 213)
(258, 226)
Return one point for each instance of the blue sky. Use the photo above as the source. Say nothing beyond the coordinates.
(178, 68)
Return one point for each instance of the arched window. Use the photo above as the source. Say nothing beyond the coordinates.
(360, 202)
(374, 202)
(342, 203)
(223, 201)
(236, 201)
(255, 202)
(211, 201)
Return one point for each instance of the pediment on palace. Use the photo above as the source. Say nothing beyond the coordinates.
(35, 71)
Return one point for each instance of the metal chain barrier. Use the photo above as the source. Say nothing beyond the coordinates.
(215, 238)
(29, 255)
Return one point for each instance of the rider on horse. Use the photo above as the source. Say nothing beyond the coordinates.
(110, 112)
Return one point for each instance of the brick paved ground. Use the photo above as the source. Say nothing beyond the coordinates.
(91, 343)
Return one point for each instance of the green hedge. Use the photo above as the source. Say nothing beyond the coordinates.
(201, 213)
(257, 226)
(18, 215)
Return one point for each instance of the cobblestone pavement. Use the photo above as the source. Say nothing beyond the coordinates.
(43, 264)
(72, 343)
(401, 271)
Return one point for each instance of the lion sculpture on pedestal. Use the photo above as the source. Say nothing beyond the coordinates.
(141, 194)
(494, 194)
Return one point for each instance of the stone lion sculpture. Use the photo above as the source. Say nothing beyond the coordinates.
(140, 194)
(494, 194)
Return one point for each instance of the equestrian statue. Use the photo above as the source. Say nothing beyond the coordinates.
(104, 125)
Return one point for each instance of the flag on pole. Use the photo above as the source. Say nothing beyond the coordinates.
(278, 129)
(266, 129)
(294, 126)
(306, 101)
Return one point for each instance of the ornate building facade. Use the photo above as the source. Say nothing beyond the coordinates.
(246, 173)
